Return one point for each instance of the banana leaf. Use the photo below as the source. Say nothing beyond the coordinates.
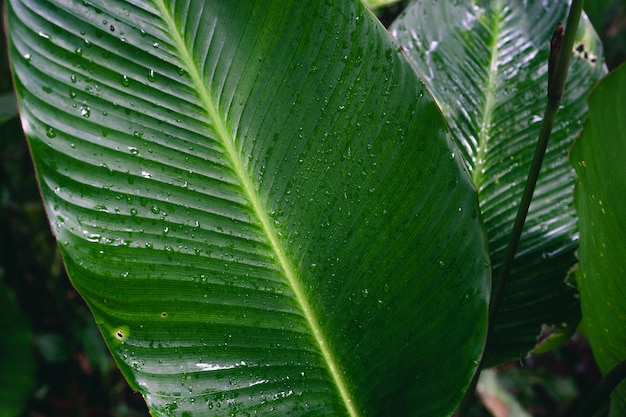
(486, 64)
(259, 201)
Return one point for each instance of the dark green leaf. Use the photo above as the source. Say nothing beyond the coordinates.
(8, 108)
(258, 201)
(486, 65)
(17, 377)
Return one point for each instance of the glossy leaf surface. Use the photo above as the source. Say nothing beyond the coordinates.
(598, 156)
(485, 63)
(259, 202)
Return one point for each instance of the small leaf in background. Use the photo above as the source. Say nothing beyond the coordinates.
(17, 365)
(598, 156)
(8, 107)
(379, 4)
(609, 19)
(486, 64)
(54, 348)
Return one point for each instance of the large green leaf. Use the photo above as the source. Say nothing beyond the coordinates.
(258, 200)
(17, 378)
(486, 65)
(598, 156)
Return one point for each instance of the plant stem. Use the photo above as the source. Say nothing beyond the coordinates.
(602, 390)
(556, 85)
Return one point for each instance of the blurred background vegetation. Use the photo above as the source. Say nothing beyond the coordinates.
(53, 352)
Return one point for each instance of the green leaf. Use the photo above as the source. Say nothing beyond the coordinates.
(379, 4)
(258, 201)
(599, 12)
(8, 109)
(598, 156)
(485, 63)
(16, 358)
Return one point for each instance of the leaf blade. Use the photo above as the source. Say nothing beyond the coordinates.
(488, 72)
(598, 197)
(144, 149)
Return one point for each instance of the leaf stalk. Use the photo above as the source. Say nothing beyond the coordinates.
(602, 390)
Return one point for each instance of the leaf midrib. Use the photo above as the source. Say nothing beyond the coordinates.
(490, 99)
(226, 136)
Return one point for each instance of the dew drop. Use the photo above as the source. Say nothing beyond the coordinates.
(85, 111)
(125, 81)
(151, 76)
(51, 133)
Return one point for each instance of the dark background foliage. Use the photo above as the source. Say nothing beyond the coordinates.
(75, 375)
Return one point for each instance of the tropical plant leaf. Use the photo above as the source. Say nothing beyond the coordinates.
(598, 156)
(485, 63)
(16, 357)
(599, 11)
(8, 108)
(379, 4)
(259, 201)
